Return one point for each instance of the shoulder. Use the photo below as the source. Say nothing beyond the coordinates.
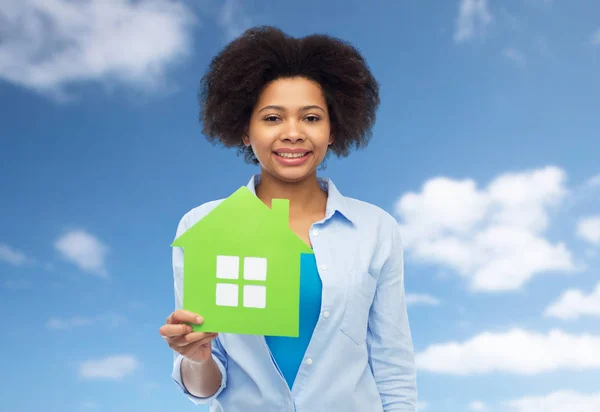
(369, 215)
(194, 215)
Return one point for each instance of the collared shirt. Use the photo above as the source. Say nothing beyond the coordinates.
(360, 357)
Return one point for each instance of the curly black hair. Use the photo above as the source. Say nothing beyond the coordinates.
(239, 73)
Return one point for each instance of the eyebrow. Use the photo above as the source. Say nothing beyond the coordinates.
(282, 109)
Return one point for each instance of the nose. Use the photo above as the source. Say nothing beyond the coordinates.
(292, 132)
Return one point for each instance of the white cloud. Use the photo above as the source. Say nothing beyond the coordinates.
(84, 250)
(595, 38)
(573, 304)
(50, 44)
(588, 228)
(477, 406)
(111, 367)
(110, 319)
(516, 351)
(491, 236)
(515, 56)
(12, 256)
(232, 19)
(559, 401)
(473, 18)
(594, 181)
(421, 299)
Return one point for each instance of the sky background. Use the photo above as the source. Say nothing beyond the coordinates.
(486, 150)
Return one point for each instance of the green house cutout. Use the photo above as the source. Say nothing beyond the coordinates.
(242, 268)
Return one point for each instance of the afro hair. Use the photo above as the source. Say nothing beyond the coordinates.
(238, 74)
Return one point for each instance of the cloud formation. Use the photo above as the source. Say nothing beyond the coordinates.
(232, 20)
(473, 18)
(559, 401)
(588, 228)
(515, 56)
(573, 304)
(477, 406)
(50, 44)
(492, 236)
(84, 250)
(12, 256)
(110, 367)
(421, 299)
(516, 351)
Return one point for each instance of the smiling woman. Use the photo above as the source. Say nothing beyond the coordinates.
(286, 103)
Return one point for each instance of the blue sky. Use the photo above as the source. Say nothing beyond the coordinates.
(486, 150)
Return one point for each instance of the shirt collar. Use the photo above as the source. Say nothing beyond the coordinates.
(336, 202)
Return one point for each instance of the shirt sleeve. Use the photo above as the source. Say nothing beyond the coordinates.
(389, 340)
(218, 352)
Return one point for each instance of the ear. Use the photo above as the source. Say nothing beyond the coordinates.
(246, 139)
(331, 139)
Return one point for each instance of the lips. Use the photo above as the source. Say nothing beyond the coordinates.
(292, 157)
(291, 153)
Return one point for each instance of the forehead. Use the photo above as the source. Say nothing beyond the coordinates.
(292, 92)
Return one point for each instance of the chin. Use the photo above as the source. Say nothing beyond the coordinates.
(291, 175)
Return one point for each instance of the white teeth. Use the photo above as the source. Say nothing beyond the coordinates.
(291, 155)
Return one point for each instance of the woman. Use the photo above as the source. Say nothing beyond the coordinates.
(287, 103)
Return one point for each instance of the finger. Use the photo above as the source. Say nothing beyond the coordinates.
(185, 316)
(174, 330)
(191, 338)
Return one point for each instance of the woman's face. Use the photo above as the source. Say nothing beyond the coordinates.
(289, 130)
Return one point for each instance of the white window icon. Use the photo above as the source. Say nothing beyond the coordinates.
(254, 270)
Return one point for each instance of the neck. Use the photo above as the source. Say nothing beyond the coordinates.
(305, 196)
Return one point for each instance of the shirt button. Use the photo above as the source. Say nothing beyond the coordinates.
(323, 267)
(309, 361)
(315, 232)
(326, 314)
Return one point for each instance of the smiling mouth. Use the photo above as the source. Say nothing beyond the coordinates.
(287, 155)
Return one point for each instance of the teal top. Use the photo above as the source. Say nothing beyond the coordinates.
(288, 352)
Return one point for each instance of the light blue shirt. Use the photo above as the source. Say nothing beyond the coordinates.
(360, 357)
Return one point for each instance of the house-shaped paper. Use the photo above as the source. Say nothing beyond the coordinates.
(242, 268)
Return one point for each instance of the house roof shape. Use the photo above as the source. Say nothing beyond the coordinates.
(244, 210)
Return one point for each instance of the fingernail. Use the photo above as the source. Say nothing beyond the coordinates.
(199, 319)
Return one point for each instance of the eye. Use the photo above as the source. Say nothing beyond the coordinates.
(312, 118)
(271, 119)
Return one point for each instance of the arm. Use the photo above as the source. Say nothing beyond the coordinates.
(389, 339)
(201, 381)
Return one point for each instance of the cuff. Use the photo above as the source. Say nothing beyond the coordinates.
(179, 380)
